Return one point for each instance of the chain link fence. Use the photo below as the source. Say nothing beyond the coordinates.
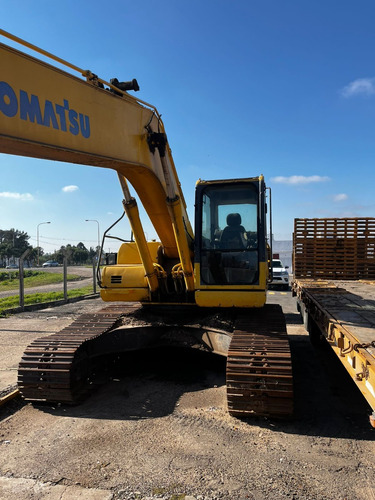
(89, 280)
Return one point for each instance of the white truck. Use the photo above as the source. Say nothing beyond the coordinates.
(280, 274)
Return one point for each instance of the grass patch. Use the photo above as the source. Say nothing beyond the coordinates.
(38, 298)
(10, 280)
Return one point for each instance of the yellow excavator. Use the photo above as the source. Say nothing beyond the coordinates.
(203, 289)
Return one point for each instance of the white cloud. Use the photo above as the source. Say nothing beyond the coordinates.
(17, 196)
(299, 179)
(69, 189)
(340, 197)
(361, 86)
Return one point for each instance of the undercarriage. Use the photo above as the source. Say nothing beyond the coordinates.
(61, 367)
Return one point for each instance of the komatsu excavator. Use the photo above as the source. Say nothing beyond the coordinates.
(204, 289)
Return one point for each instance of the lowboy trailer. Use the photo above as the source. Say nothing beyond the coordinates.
(334, 282)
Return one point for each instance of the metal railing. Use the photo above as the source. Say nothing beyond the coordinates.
(21, 279)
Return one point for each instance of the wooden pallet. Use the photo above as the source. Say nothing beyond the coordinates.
(334, 248)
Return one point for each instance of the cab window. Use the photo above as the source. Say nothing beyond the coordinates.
(229, 243)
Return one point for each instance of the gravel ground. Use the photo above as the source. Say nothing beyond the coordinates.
(159, 429)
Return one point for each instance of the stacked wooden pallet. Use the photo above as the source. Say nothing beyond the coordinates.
(334, 248)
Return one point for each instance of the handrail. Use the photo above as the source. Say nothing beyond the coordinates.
(90, 77)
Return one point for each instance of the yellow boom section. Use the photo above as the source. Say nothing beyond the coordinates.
(48, 113)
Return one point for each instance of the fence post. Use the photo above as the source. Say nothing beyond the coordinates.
(94, 276)
(65, 264)
(21, 279)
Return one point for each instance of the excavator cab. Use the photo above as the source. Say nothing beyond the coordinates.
(230, 243)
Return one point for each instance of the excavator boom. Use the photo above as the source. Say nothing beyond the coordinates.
(54, 115)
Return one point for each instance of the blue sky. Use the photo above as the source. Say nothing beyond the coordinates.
(285, 88)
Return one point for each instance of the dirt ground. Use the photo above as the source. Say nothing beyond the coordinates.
(159, 429)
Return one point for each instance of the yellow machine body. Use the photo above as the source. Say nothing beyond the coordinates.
(127, 277)
(232, 295)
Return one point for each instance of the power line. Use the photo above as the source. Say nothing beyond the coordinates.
(61, 239)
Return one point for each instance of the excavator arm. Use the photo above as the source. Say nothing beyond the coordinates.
(50, 114)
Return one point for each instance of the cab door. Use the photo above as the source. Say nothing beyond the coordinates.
(230, 256)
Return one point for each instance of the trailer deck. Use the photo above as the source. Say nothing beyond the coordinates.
(344, 313)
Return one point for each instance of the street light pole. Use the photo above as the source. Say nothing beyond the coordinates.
(94, 220)
(37, 236)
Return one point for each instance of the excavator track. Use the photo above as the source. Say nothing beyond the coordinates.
(259, 366)
(60, 367)
(57, 368)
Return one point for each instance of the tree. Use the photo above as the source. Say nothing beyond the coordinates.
(13, 243)
(65, 251)
(33, 255)
(80, 254)
(74, 254)
(93, 253)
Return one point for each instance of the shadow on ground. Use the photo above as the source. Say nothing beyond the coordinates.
(149, 384)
